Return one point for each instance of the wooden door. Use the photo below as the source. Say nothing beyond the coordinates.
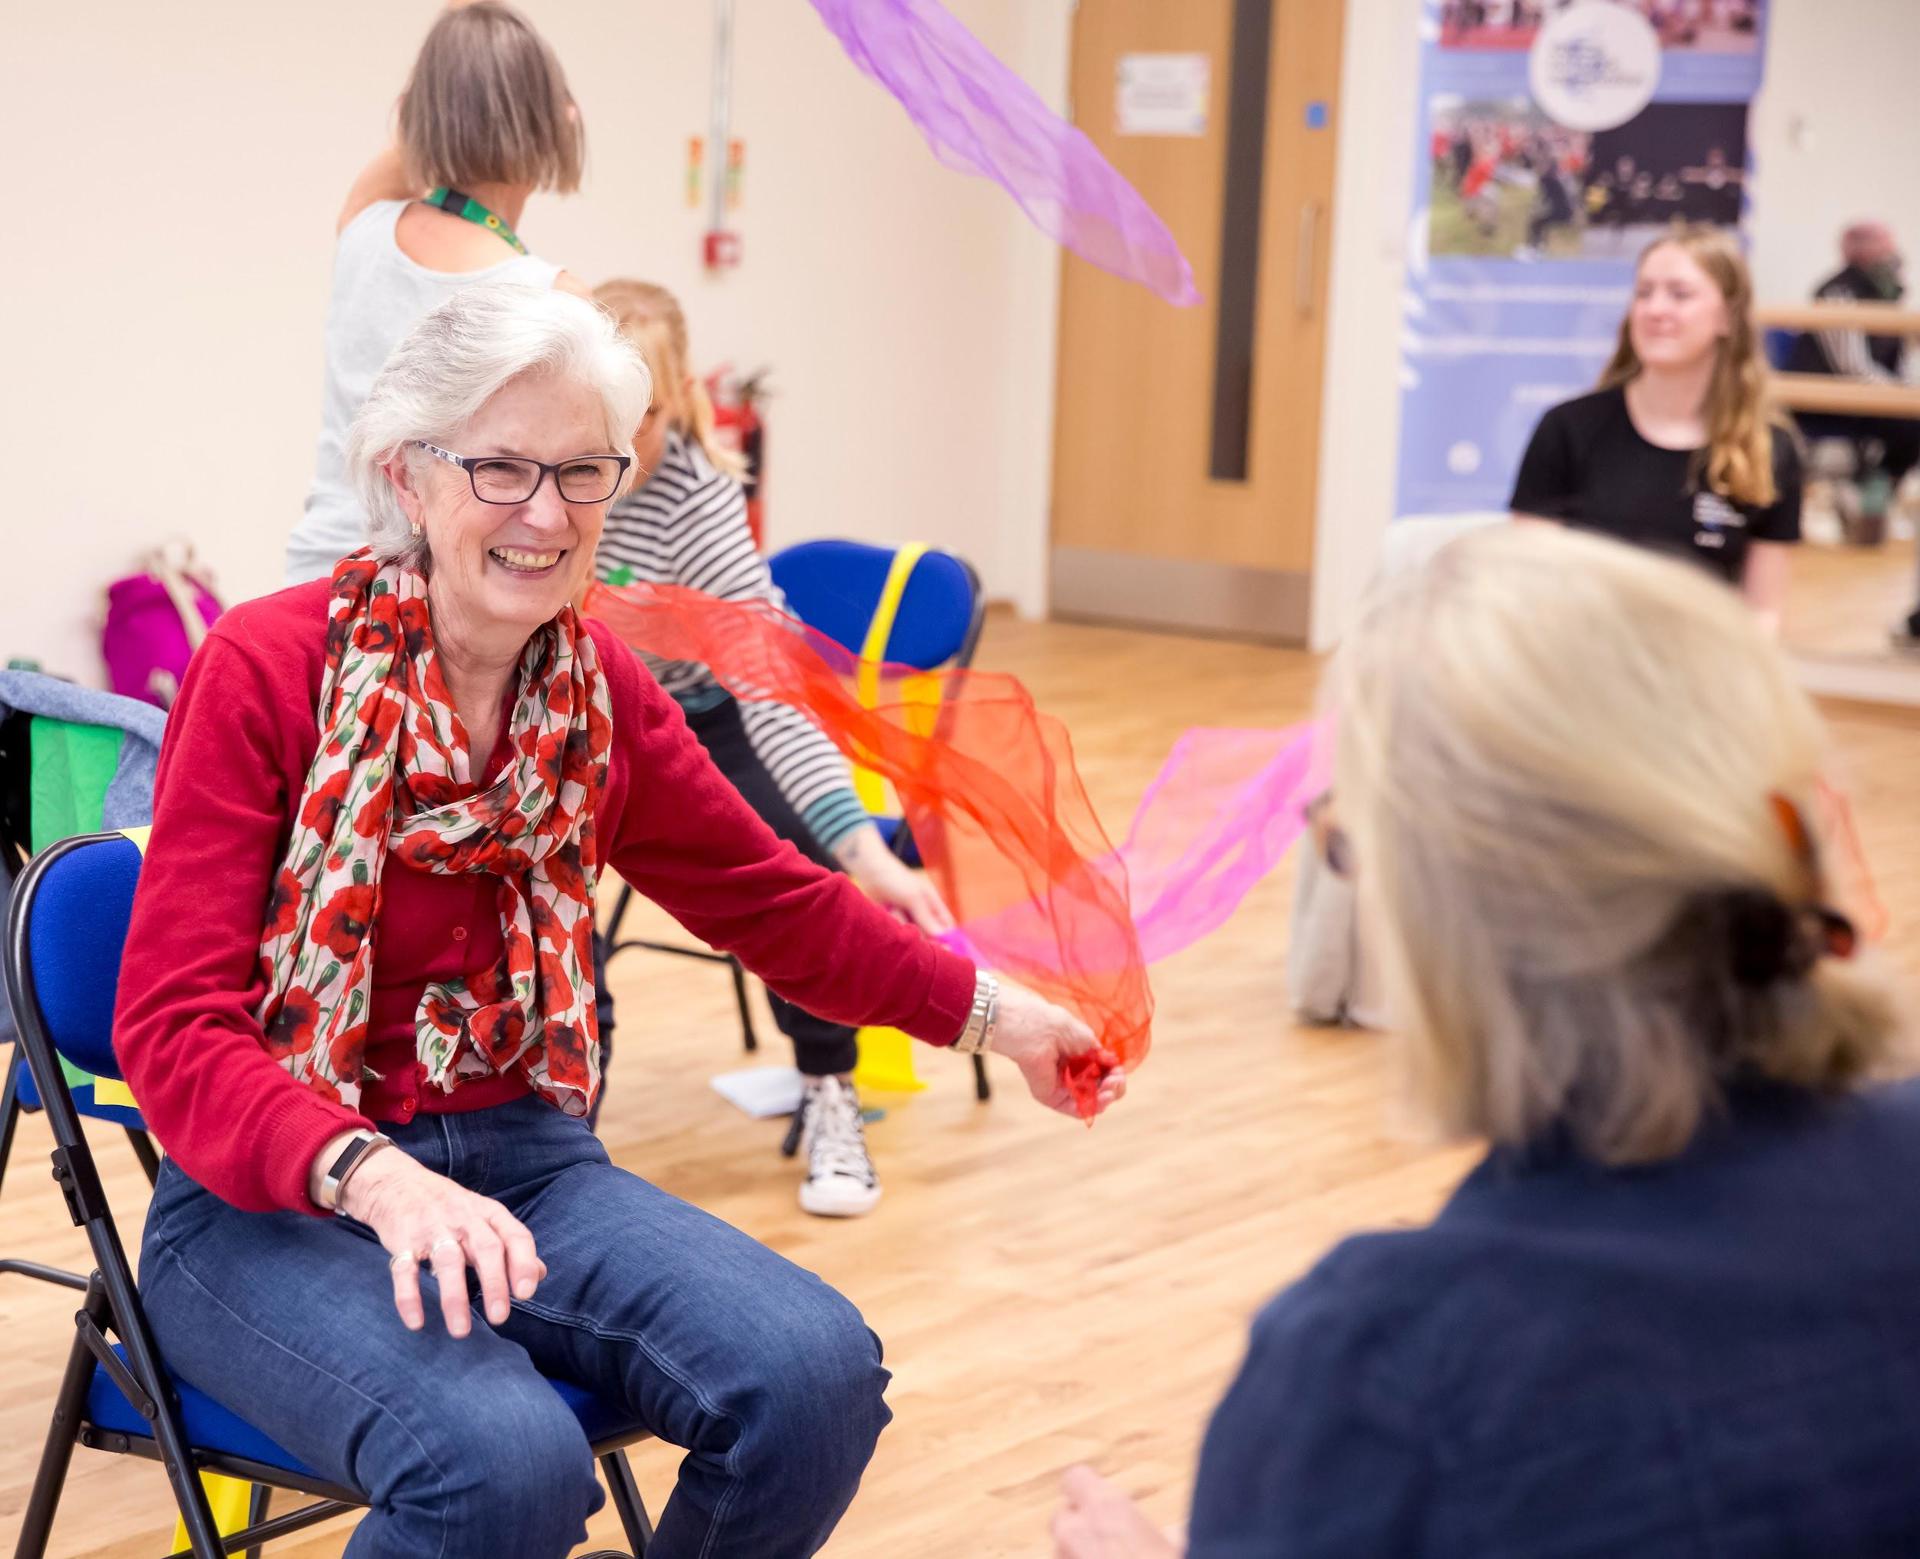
(1186, 440)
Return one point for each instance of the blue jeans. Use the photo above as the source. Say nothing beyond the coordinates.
(767, 1377)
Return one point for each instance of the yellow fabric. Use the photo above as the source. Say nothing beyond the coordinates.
(231, 1502)
(868, 786)
(886, 1062)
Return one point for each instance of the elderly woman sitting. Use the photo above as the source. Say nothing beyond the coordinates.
(1676, 1310)
(359, 981)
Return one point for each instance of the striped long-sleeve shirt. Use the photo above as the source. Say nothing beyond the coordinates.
(688, 526)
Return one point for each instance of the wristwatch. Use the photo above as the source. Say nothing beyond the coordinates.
(978, 1033)
(362, 1144)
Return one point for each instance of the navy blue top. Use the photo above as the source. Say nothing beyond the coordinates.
(1716, 1355)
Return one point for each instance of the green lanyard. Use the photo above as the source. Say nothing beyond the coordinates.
(469, 208)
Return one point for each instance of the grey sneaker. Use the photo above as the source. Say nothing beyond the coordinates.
(841, 1182)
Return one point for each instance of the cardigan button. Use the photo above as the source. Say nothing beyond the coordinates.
(459, 933)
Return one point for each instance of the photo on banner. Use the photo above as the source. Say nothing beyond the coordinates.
(1703, 26)
(1558, 139)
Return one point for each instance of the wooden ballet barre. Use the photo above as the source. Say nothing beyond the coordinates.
(1876, 319)
(1847, 397)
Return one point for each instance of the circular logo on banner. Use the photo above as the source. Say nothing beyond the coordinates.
(1595, 65)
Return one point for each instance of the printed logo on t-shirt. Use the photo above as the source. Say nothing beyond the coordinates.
(1715, 517)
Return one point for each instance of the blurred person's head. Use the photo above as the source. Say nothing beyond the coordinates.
(488, 103)
(1572, 777)
(1692, 309)
(652, 319)
(1870, 247)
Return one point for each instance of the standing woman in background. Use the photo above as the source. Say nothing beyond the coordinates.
(685, 523)
(486, 119)
(1678, 449)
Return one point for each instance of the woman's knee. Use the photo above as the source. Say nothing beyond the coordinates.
(824, 1378)
(514, 1464)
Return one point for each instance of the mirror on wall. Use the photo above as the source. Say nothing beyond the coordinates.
(1848, 371)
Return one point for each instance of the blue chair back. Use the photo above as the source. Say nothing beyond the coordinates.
(1776, 345)
(69, 932)
(82, 906)
(835, 587)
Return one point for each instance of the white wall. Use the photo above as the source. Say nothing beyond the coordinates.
(1835, 137)
(165, 297)
(1360, 407)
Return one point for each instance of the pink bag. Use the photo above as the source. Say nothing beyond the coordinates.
(155, 621)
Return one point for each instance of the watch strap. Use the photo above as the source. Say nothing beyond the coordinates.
(345, 1162)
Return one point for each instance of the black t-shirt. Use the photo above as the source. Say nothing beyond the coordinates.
(1588, 466)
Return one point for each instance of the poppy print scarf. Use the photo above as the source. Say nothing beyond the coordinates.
(392, 759)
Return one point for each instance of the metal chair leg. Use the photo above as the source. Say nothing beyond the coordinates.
(9, 1106)
(9, 1118)
(36, 1525)
(625, 1494)
(611, 936)
(747, 1036)
(620, 904)
(257, 1509)
(143, 1150)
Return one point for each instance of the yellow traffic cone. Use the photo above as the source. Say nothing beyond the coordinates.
(886, 1062)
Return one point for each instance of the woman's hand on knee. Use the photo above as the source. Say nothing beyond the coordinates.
(421, 1216)
(1040, 1039)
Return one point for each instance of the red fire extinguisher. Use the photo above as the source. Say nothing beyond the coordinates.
(736, 417)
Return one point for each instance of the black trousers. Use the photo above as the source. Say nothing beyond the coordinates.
(820, 1048)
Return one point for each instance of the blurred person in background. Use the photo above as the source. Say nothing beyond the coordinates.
(1678, 449)
(1675, 1308)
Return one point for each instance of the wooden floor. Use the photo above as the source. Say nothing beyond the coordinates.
(1048, 1294)
(1842, 601)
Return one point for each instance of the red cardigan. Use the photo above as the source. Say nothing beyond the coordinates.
(232, 768)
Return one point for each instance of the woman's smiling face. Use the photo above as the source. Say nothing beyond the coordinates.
(520, 563)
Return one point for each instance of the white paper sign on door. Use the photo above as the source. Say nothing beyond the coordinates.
(1162, 94)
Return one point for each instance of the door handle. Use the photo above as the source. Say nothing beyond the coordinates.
(1304, 258)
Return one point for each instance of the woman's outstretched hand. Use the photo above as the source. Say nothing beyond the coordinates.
(1042, 1040)
(421, 1216)
(1097, 1521)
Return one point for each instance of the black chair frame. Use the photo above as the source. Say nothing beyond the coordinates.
(112, 1306)
(15, 758)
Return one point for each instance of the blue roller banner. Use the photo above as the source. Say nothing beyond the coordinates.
(1557, 138)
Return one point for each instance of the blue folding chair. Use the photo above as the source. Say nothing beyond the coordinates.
(64, 938)
(842, 589)
(17, 1093)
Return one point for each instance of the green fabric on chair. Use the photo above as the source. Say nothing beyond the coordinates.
(72, 767)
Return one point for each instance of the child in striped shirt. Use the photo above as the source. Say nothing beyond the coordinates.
(685, 523)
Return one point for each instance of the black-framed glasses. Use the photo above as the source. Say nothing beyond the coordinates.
(514, 479)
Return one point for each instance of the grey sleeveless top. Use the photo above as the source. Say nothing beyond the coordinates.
(378, 295)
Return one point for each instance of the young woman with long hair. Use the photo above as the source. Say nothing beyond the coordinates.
(1678, 448)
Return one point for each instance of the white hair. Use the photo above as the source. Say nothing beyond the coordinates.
(1557, 763)
(459, 357)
